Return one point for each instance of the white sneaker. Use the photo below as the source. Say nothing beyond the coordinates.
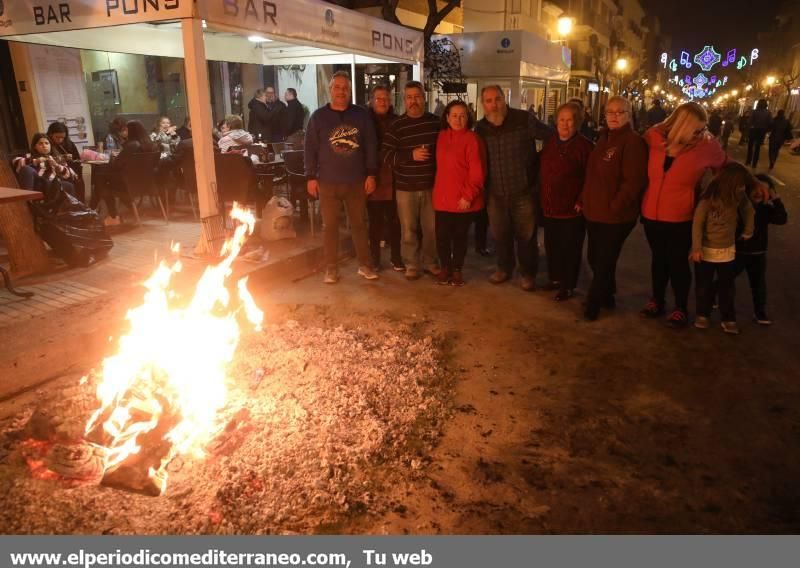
(730, 327)
(331, 276)
(367, 273)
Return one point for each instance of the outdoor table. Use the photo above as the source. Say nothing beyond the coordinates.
(26, 251)
(265, 172)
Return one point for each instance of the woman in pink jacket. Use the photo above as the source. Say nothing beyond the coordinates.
(458, 189)
(680, 152)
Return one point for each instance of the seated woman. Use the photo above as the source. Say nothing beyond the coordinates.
(117, 134)
(65, 152)
(236, 139)
(37, 170)
(137, 143)
(166, 136)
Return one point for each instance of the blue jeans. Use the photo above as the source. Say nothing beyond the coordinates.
(29, 180)
(513, 223)
(415, 208)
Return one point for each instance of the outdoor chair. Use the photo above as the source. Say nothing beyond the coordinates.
(189, 177)
(237, 181)
(295, 170)
(138, 179)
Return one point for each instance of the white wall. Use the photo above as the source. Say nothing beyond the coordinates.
(304, 81)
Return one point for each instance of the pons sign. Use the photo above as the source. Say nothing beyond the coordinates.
(20, 17)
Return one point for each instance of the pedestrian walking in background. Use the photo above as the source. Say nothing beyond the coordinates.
(564, 158)
(409, 147)
(727, 130)
(715, 123)
(381, 205)
(458, 190)
(744, 127)
(760, 124)
(656, 114)
(680, 151)
(714, 243)
(616, 176)
(341, 161)
(510, 136)
(780, 133)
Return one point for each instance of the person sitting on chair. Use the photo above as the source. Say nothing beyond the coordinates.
(236, 139)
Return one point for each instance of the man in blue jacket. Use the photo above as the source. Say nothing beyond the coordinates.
(341, 160)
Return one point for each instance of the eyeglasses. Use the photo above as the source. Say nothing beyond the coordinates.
(616, 113)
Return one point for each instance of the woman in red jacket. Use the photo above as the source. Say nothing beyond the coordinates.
(680, 152)
(616, 176)
(562, 171)
(458, 189)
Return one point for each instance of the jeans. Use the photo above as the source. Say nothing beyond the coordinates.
(756, 267)
(512, 221)
(415, 208)
(28, 179)
(383, 218)
(452, 231)
(605, 246)
(670, 244)
(481, 219)
(757, 136)
(706, 289)
(331, 197)
(563, 244)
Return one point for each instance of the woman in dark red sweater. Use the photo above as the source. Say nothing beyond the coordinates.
(458, 189)
(563, 170)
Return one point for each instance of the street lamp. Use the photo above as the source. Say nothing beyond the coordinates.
(770, 81)
(622, 64)
(748, 88)
(735, 93)
(564, 26)
(656, 88)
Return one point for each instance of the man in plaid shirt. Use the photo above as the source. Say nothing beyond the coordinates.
(510, 136)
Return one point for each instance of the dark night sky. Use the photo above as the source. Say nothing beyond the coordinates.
(726, 24)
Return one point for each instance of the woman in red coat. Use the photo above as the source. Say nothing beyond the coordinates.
(562, 172)
(458, 189)
(680, 152)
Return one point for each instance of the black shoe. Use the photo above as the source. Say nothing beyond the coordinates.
(563, 295)
(398, 266)
(483, 252)
(610, 303)
(591, 312)
(550, 286)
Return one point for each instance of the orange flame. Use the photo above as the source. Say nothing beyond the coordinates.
(177, 355)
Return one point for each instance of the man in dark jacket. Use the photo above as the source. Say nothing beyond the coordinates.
(294, 115)
(780, 133)
(656, 114)
(341, 161)
(510, 136)
(258, 125)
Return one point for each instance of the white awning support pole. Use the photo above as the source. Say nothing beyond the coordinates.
(353, 77)
(198, 94)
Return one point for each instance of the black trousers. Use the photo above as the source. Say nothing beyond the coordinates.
(757, 136)
(756, 267)
(670, 244)
(481, 229)
(452, 230)
(563, 244)
(605, 247)
(724, 288)
(383, 219)
(774, 150)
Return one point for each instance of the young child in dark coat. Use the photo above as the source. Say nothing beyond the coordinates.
(751, 255)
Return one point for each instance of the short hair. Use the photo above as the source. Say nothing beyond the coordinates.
(458, 102)
(657, 102)
(414, 85)
(234, 122)
(269, 87)
(293, 91)
(577, 101)
(622, 100)
(259, 93)
(761, 104)
(384, 88)
(496, 87)
(577, 112)
(117, 125)
(340, 75)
